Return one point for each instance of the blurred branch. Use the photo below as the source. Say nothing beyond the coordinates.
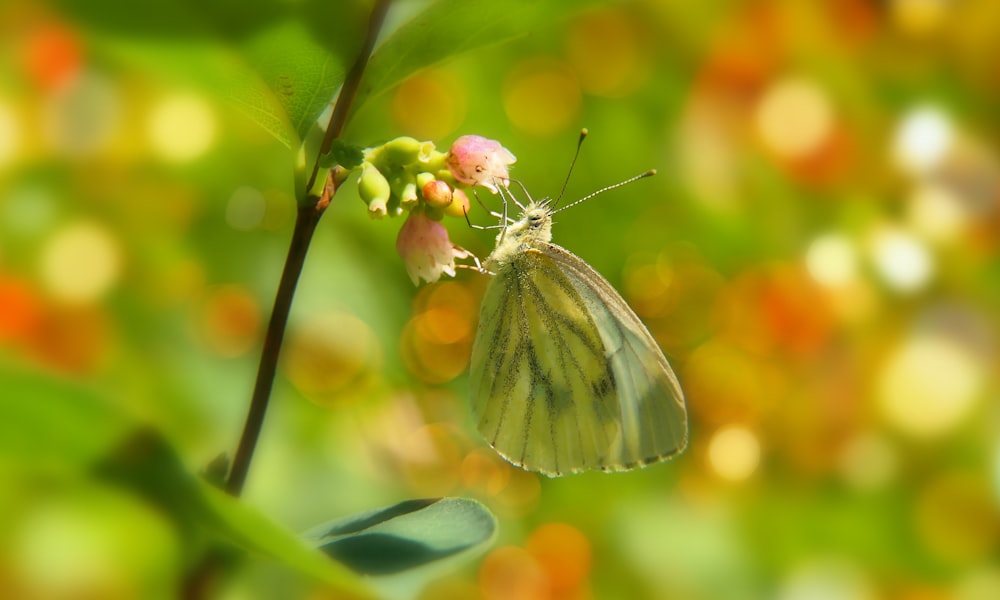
(305, 225)
(352, 82)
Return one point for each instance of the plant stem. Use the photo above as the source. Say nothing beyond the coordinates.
(352, 81)
(305, 225)
(308, 217)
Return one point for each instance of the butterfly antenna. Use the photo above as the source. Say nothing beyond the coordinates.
(648, 173)
(505, 220)
(579, 143)
(527, 194)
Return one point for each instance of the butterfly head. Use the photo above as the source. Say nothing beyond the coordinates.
(535, 224)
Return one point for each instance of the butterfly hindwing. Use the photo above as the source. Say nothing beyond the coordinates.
(650, 404)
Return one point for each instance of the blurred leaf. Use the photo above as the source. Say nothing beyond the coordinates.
(149, 467)
(447, 28)
(53, 424)
(408, 535)
(216, 69)
(177, 41)
(304, 59)
(279, 64)
(47, 422)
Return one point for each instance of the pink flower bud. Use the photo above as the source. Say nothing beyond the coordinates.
(436, 193)
(426, 250)
(475, 160)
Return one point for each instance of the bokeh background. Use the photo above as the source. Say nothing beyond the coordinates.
(816, 257)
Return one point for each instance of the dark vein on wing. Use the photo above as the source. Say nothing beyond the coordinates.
(540, 377)
(632, 325)
(512, 372)
(552, 319)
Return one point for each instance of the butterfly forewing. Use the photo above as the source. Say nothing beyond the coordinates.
(564, 376)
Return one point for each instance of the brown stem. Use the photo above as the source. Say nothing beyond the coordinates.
(308, 217)
(351, 84)
(305, 225)
(202, 579)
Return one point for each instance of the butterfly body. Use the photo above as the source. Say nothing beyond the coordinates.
(565, 377)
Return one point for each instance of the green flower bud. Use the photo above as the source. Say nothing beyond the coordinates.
(424, 178)
(445, 176)
(402, 150)
(377, 209)
(408, 195)
(374, 190)
(435, 161)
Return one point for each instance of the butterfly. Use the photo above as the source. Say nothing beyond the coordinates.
(564, 377)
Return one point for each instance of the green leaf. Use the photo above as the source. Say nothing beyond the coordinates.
(407, 536)
(146, 465)
(47, 422)
(216, 69)
(251, 530)
(341, 153)
(179, 41)
(52, 425)
(279, 63)
(448, 28)
(304, 58)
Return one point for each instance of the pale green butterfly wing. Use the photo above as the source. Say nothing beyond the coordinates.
(536, 352)
(650, 411)
(564, 377)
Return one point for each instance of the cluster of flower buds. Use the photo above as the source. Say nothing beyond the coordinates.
(407, 175)
(395, 175)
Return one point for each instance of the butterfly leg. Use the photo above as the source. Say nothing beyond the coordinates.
(478, 267)
(492, 213)
(482, 227)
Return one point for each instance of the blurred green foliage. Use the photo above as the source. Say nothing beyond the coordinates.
(817, 257)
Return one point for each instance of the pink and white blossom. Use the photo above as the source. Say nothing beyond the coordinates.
(475, 160)
(426, 249)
